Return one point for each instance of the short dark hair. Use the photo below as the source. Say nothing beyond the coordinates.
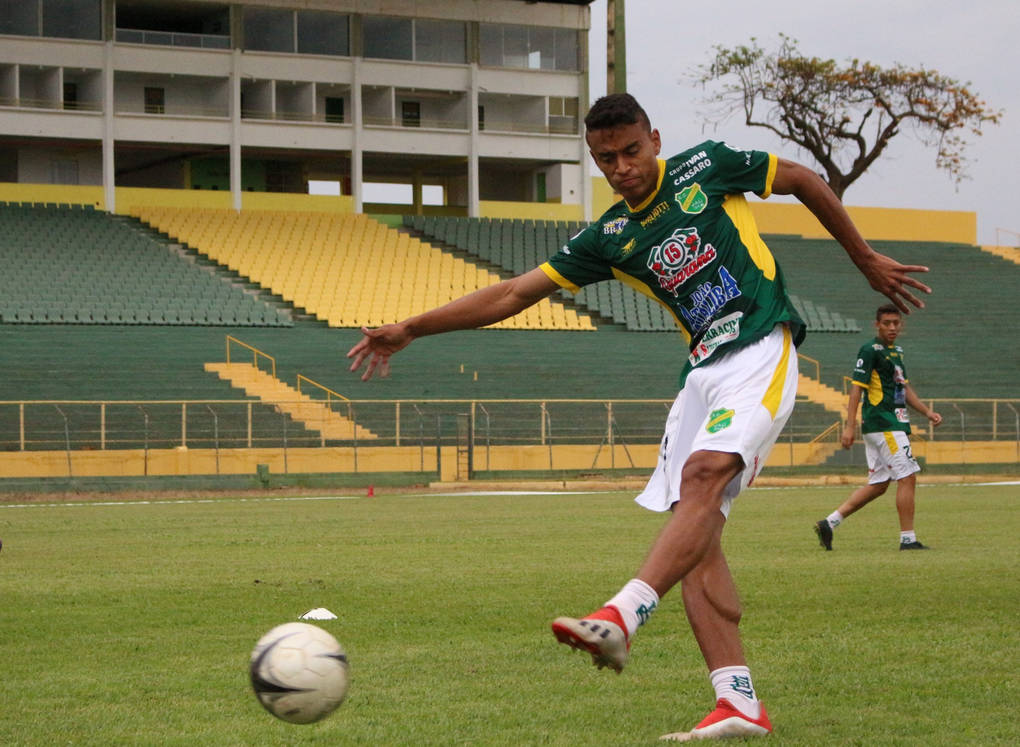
(887, 308)
(615, 110)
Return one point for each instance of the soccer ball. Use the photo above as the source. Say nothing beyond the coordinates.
(299, 672)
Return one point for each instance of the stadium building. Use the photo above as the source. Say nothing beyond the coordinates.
(476, 98)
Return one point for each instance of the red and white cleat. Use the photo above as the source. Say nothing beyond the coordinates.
(724, 722)
(602, 634)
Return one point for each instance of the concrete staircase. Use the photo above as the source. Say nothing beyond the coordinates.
(312, 414)
(1011, 253)
(829, 398)
(820, 451)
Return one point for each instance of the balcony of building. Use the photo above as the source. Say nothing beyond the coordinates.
(296, 101)
(389, 106)
(51, 87)
(179, 24)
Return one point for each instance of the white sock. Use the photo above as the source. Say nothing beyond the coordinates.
(835, 519)
(636, 602)
(734, 684)
(906, 537)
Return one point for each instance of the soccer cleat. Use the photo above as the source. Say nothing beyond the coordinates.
(915, 545)
(602, 634)
(824, 532)
(725, 722)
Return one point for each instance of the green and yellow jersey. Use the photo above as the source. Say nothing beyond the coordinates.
(882, 375)
(693, 246)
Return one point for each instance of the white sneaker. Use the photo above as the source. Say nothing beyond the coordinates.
(602, 634)
(724, 722)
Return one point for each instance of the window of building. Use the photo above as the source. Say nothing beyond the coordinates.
(285, 176)
(268, 30)
(415, 39)
(388, 38)
(155, 100)
(301, 31)
(410, 113)
(70, 95)
(323, 33)
(563, 113)
(62, 19)
(334, 109)
(72, 19)
(440, 41)
(65, 172)
(481, 117)
(528, 47)
(19, 18)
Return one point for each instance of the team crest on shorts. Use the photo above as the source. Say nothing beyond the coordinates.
(719, 419)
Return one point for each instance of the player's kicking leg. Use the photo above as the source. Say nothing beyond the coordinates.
(603, 634)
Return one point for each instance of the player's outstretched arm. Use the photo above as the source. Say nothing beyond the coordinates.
(479, 309)
(884, 274)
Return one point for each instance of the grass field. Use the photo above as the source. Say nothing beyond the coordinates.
(132, 624)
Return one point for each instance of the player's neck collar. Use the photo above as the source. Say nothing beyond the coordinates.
(658, 185)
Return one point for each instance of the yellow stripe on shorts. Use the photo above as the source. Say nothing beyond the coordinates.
(890, 441)
(774, 394)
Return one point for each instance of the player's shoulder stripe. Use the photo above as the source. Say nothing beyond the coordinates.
(771, 176)
(557, 278)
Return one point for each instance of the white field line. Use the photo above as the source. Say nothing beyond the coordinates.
(83, 504)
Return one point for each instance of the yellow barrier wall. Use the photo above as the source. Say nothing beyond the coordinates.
(179, 462)
(71, 195)
(300, 203)
(874, 223)
(531, 211)
(130, 197)
(602, 197)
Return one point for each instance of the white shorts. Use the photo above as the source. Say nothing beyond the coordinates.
(738, 405)
(889, 456)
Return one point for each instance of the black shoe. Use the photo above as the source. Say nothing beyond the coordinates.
(915, 545)
(824, 532)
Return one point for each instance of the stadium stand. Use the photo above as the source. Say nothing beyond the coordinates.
(965, 319)
(516, 246)
(65, 265)
(347, 270)
(151, 368)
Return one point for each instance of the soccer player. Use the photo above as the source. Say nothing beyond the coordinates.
(881, 373)
(683, 235)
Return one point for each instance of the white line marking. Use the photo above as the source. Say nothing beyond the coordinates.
(80, 504)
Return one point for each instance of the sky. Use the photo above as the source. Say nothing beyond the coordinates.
(975, 42)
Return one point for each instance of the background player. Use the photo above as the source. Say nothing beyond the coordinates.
(880, 373)
(684, 235)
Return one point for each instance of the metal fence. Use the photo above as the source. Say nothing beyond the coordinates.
(607, 427)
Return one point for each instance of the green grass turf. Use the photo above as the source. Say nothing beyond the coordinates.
(132, 624)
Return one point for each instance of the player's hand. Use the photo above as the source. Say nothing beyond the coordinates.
(889, 278)
(934, 418)
(377, 346)
(848, 436)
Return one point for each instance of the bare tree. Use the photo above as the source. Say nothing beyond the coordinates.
(843, 115)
